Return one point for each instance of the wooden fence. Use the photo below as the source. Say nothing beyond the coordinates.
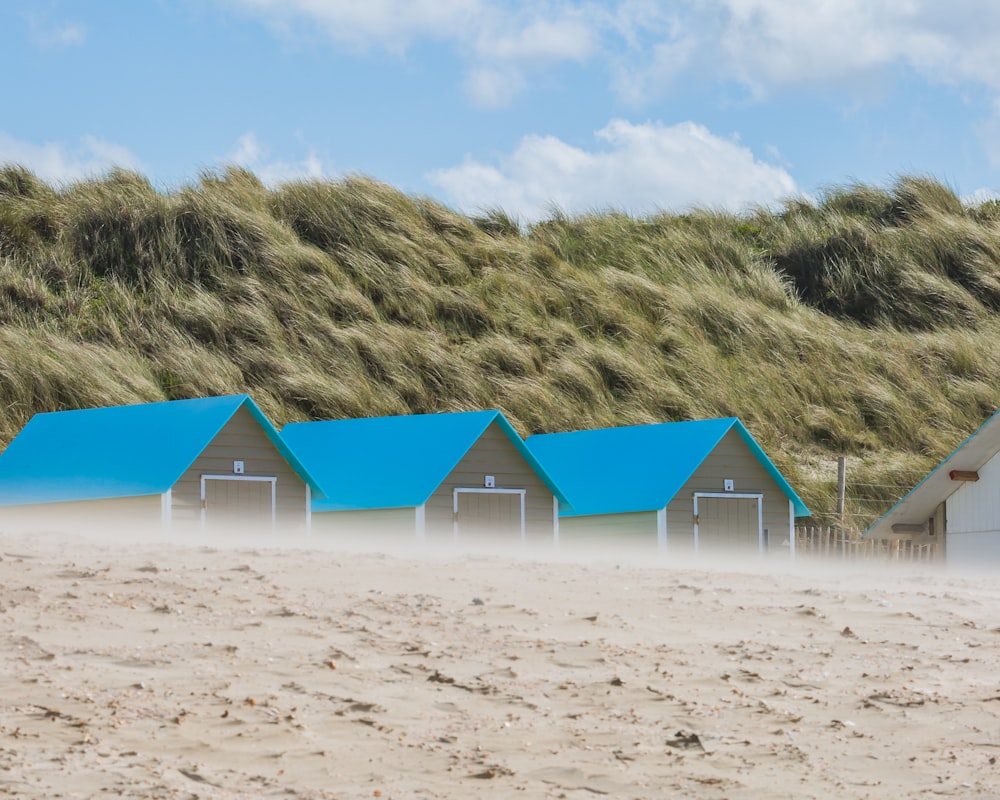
(846, 544)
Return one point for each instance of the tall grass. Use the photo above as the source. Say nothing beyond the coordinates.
(863, 325)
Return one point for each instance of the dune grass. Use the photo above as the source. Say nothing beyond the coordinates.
(863, 325)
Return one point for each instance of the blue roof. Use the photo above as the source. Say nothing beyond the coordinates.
(394, 462)
(639, 467)
(119, 451)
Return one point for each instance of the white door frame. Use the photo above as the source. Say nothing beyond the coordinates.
(555, 521)
(309, 512)
(456, 492)
(166, 509)
(420, 517)
(257, 478)
(791, 529)
(734, 496)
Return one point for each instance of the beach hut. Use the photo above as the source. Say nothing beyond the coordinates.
(956, 505)
(688, 486)
(427, 477)
(184, 462)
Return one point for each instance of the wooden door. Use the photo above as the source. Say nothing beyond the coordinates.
(238, 501)
(491, 514)
(728, 524)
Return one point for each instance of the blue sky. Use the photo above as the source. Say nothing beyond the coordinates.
(633, 105)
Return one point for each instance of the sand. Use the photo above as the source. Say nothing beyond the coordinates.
(166, 670)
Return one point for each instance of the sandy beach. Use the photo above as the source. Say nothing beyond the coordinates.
(172, 670)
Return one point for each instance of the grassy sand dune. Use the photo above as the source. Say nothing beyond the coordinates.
(863, 325)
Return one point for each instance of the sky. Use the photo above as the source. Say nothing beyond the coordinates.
(530, 107)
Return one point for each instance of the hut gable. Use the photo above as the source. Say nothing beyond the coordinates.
(494, 454)
(242, 440)
(730, 460)
(401, 461)
(643, 468)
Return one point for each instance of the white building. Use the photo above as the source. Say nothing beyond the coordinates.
(957, 505)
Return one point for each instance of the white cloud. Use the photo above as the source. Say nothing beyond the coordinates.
(767, 45)
(57, 162)
(248, 152)
(635, 168)
(514, 31)
(62, 34)
(568, 38)
(493, 87)
(988, 133)
(499, 42)
(648, 45)
(778, 42)
(392, 24)
(980, 196)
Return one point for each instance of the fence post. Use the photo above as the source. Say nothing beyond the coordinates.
(841, 488)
